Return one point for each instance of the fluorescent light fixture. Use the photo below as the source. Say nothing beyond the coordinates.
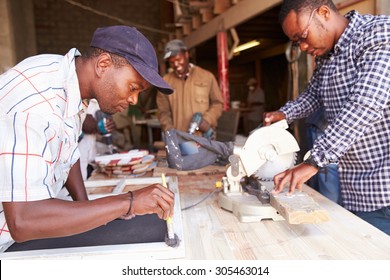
(246, 46)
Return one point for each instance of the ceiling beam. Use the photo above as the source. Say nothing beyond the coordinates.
(232, 17)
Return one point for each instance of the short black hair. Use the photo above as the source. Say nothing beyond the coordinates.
(117, 60)
(302, 5)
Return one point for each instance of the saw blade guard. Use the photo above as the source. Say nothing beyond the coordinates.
(269, 150)
(278, 164)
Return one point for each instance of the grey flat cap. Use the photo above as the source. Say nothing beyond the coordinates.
(173, 47)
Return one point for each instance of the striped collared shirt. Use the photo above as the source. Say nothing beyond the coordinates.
(353, 85)
(40, 121)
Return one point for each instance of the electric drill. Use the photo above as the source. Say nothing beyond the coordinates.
(107, 136)
(194, 126)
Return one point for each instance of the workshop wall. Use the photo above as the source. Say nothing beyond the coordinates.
(61, 25)
(17, 36)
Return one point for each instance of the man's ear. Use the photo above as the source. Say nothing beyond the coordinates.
(103, 63)
(324, 12)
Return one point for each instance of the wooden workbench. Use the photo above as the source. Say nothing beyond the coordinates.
(210, 232)
(213, 233)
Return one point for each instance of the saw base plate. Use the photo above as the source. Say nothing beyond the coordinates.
(247, 208)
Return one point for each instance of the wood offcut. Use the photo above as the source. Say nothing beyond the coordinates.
(298, 208)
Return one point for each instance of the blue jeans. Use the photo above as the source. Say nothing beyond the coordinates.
(326, 181)
(379, 218)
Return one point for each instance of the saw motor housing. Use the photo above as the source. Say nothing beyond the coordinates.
(268, 151)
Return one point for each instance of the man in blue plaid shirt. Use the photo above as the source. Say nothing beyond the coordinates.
(352, 82)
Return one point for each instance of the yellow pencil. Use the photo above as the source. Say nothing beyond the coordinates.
(171, 234)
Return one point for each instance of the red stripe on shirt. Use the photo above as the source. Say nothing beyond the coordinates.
(28, 79)
(23, 81)
(3, 230)
(55, 133)
(36, 104)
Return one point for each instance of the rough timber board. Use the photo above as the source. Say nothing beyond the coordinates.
(298, 208)
(154, 250)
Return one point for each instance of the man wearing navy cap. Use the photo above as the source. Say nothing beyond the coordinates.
(43, 103)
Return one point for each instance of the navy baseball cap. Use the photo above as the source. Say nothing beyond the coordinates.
(131, 44)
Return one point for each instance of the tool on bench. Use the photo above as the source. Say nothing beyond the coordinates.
(171, 239)
(267, 151)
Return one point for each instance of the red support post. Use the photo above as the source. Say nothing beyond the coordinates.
(223, 68)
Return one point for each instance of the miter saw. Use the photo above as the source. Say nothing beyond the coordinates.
(268, 151)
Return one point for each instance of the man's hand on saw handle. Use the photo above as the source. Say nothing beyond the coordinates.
(296, 176)
(272, 117)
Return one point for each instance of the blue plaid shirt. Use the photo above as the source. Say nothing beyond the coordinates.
(353, 85)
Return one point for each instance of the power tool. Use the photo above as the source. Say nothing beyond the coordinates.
(107, 136)
(194, 126)
(268, 151)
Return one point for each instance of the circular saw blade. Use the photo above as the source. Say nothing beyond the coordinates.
(277, 164)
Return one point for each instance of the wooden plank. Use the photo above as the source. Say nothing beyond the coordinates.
(298, 208)
(235, 15)
(196, 21)
(187, 27)
(196, 5)
(177, 8)
(221, 6)
(178, 33)
(207, 15)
